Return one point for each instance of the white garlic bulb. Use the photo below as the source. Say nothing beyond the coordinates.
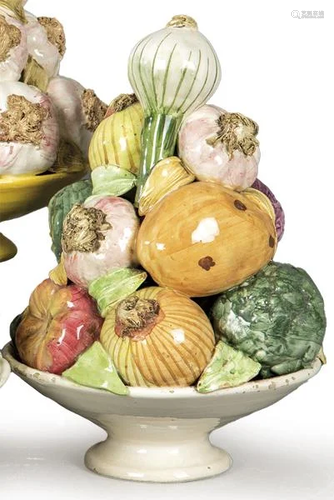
(78, 109)
(29, 133)
(221, 147)
(13, 47)
(46, 42)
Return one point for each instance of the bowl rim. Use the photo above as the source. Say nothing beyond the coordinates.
(47, 379)
(4, 370)
(29, 180)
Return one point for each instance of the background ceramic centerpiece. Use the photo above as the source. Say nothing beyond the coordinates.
(46, 121)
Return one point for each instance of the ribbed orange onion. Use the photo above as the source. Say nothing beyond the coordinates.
(158, 337)
(203, 239)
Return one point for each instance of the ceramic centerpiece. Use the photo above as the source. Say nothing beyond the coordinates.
(166, 316)
(160, 434)
(46, 120)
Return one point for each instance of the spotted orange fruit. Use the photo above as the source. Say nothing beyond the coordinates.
(203, 239)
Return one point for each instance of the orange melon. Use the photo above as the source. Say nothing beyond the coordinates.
(204, 238)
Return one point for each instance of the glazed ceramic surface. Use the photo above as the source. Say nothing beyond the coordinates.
(4, 370)
(23, 194)
(160, 434)
(203, 239)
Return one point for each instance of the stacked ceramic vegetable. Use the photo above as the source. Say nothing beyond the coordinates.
(174, 285)
(46, 121)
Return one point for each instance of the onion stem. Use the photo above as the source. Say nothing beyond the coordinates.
(158, 140)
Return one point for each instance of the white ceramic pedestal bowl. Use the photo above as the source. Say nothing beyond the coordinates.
(4, 370)
(160, 435)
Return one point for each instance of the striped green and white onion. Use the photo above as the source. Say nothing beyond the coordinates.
(173, 72)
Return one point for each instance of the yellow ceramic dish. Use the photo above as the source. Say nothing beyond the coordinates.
(20, 195)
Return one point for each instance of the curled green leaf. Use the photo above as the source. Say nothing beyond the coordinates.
(59, 206)
(115, 286)
(227, 368)
(112, 180)
(94, 368)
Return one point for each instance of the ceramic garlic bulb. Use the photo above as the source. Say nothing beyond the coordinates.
(46, 42)
(29, 132)
(13, 47)
(79, 110)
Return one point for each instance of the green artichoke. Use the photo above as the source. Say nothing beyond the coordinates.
(276, 317)
(60, 205)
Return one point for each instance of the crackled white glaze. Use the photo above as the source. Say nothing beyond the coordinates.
(160, 434)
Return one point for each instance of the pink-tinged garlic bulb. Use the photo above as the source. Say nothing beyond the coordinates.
(13, 48)
(29, 133)
(99, 236)
(220, 147)
(79, 110)
(46, 42)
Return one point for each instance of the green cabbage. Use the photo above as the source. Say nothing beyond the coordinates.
(276, 317)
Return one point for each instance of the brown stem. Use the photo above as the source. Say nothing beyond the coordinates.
(182, 21)
(55, 32)
(94, 109)
(136, 318)
(120, 103)
(84, 229)
(23, 121)
(10, 37)
(236, 132)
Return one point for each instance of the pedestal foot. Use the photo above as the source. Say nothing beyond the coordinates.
(7, 249)
(157, 450)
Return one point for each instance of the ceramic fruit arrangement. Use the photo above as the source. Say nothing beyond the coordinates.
(165, 272)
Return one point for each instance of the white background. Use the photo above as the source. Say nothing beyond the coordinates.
(279, 71)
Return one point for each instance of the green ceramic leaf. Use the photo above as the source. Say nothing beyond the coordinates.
(115, 286)
(59, 206)
(112, 180)
(227, 368)
(94, 368)
(276, 317)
